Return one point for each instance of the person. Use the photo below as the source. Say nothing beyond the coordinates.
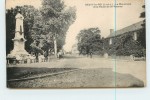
(33, 58)
(28, 59)
(46, 56)
(87, 52)
(90, 53)
(41, 58)
(60, 54)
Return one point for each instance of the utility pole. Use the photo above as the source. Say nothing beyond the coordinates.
(55, 45)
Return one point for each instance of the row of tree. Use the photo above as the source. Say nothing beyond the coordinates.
(45, 28)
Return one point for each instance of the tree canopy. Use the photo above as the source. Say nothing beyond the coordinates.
(53, 21)
(89, 40)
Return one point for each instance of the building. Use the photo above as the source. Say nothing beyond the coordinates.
(127, 41)
(75, 49)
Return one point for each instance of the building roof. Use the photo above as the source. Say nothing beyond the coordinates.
(133, 27)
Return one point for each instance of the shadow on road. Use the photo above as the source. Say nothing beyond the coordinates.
(25, 72)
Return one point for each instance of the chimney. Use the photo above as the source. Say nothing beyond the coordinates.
(111, 31)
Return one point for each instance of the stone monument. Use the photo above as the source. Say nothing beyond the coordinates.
(19, 40)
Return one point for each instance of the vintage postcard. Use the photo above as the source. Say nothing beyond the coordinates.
(75, 43)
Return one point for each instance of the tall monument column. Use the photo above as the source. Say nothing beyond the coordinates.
(19, 40)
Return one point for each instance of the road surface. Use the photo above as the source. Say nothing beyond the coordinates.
(93, 72)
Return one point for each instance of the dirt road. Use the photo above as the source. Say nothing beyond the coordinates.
(95, 72)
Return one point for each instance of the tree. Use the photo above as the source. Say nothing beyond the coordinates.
(142, 15)
(10, 29)
(142, 36)
(29, 13)
(89, 40)
(56, 19)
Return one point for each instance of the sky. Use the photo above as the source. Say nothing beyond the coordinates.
(89, 17)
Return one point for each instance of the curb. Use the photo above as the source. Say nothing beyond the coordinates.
(46, 75)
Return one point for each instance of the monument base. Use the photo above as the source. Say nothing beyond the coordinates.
(17, 57)
(18, 54)
(18, 51)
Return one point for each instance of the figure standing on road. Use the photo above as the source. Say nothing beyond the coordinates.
(46, 55)
(91, 53)
(60, 54)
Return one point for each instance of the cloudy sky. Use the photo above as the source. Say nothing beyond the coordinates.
(88, 17)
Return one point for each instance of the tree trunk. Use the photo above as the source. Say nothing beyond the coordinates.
(55, 46)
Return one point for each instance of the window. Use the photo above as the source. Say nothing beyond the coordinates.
(110, 41)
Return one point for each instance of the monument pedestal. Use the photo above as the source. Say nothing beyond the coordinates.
(18, 53)
(19, 45)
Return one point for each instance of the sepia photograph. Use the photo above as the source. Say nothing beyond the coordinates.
(63, 44)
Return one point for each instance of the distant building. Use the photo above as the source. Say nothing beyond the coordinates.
(75, 49)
